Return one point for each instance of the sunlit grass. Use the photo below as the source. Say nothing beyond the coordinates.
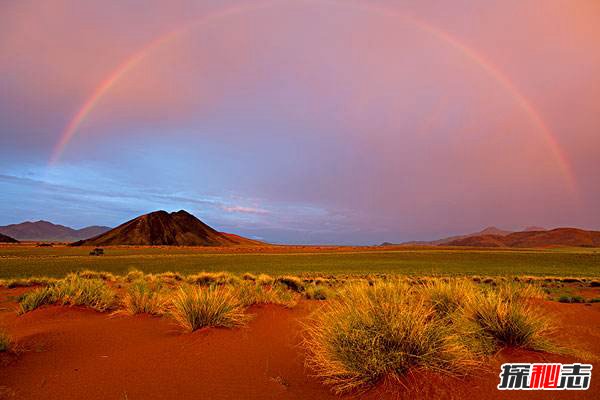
(198, 307)
(72, 290)
(372, 332)
(143, 297)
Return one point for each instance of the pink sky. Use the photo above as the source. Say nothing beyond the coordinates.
(312, 121)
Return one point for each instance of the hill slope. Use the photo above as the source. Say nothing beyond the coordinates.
(44, 230)
(491, 230)
(7, 239)
(555, 237)
(160, 228)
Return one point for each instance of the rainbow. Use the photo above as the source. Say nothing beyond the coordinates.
(502, 79)
(104, 87)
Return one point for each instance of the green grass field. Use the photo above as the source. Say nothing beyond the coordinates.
(20, 261)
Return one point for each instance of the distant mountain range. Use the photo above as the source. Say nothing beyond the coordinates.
(491, 230)
(161, 228)
(532, 236)
(554, 237)
(47, 231)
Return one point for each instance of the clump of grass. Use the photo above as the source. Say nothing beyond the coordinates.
(250, 294)
(142, 297)
(194, 308)
(213, 278)
(134, 275)
(264, 279)
(33, 299)
(5, 341)
(249, 277)
(75, 291)
(105, 276)
(372, 332)
(28, 282)
(509, 321)
(317, 292)
(170, 276)
(571, 299)
(291, 282)
(517, 292)
(72, 290)
(447, 297)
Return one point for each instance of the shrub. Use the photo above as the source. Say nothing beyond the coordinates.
(142, 297)
(509, 321)
(5, 341)
(194, 308)
(372, 332)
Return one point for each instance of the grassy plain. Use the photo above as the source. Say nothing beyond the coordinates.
(28, 260)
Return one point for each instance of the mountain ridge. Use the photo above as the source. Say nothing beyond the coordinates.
(47, 231)
(555, 237)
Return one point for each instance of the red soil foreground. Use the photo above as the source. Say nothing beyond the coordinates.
(73, 353)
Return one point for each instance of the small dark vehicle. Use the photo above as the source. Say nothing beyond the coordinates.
(97, 252)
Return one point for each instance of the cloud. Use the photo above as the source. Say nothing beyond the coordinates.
(245, 210)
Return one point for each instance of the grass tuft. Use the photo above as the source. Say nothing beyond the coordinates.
(447, 297)
(264, 279)
(28, 282)
(372, 332)
(250, 294)
(33, 299)
(510, 321)
(105, 276)
(213, 278)
(316, 292)
(194, 308)
(134, 275)
(5, 341)
(144, 298)
(72, 290)
(291, 282)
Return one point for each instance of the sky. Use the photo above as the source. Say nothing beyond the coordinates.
(306, 121)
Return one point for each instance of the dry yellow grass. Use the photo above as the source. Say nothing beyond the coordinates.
(194, 308)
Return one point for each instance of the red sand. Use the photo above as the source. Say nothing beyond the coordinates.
(72, 353)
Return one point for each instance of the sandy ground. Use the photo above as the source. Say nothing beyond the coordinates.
(73, 353)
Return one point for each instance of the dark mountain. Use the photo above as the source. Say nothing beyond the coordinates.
(47, 231)
(555, 237)
(161, 228)
(7, 239)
